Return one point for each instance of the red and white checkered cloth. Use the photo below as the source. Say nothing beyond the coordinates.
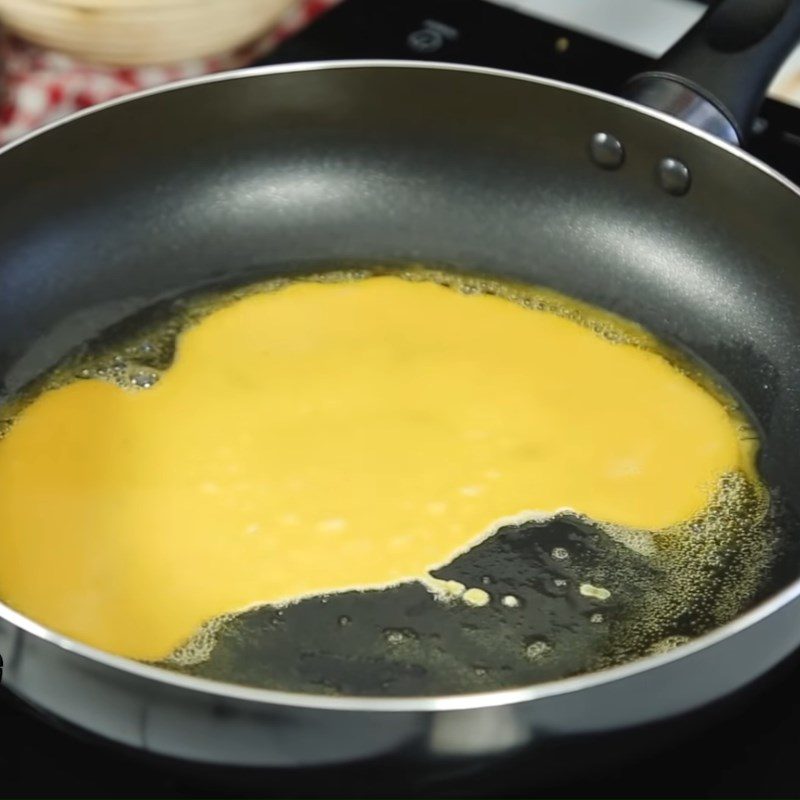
(43, 86)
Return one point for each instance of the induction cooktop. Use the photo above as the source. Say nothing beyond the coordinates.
(744, 749)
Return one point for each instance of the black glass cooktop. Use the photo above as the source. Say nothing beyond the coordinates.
(747, 749)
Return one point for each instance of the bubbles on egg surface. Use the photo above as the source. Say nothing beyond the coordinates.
(560, 553)
(199, 648)
(109, 368)
(710, 567)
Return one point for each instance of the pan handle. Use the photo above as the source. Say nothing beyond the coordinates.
(716, 76)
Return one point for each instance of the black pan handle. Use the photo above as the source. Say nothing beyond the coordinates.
(716, 76)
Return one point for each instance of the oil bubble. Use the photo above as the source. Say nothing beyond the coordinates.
(537, 649)
(395, 636)
(144, 380)
(668, 643)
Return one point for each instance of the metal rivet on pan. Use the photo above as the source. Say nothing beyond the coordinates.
(606, 151)
(674, 176)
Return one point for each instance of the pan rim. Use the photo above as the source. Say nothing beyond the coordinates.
(353, 703)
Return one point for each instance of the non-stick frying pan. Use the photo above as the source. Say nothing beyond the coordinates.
(282, 170)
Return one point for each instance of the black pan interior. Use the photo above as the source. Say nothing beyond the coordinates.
(239, 179)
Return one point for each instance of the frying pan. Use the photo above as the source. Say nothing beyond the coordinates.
(654, 213)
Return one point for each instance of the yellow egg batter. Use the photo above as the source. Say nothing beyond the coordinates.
(327, 436)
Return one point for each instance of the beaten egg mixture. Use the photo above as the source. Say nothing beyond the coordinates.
(328, 436)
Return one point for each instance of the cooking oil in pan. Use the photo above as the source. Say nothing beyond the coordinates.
(373, 483)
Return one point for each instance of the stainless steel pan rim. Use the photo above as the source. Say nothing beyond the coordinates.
(408, 704)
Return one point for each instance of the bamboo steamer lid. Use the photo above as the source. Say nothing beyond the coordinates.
(130, 32)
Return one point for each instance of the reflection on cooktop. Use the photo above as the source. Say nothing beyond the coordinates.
(746, 750)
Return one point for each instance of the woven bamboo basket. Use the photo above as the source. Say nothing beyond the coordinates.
(131, 32)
